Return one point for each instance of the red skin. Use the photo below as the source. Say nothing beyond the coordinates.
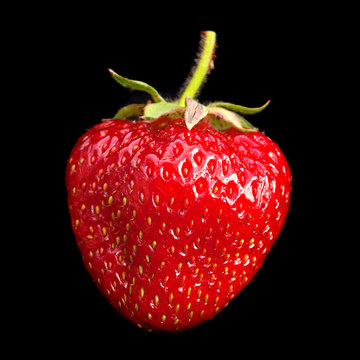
(166, 217)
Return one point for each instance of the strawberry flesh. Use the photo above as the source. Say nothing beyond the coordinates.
(172, 224)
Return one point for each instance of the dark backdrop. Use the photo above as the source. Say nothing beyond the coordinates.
(263, 53)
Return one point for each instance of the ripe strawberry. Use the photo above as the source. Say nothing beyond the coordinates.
(175, 213)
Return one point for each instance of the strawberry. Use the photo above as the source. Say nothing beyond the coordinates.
(175, 212)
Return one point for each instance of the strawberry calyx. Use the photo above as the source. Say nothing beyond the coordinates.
(221, 115)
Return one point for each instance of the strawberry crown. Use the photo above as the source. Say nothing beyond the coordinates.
(222, 115)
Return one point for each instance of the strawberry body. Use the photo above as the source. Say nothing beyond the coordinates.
(172, 223)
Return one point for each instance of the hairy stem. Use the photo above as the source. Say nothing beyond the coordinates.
(204, 65)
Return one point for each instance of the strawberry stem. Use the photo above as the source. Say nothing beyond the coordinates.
(204, 64)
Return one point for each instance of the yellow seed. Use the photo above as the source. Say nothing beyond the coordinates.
(166, 279)
(201, 313)
(134, 248)
(176, 321)
(163, 318)
(149, 221)
(104, 231)
(206, 298)
(191, 314)
(177, 307)
(154, 243)
(77, 222)
(186, 203)
(171, 298)
(163, 226)
(188, 306)
(110, 200)
(189, 291)
(97, 209)
(157, 199)
(147, 258)
(149, 316)
(136, 307)
(199, 293)
(89, 237)
(156, 300)
(130, 290)
(124, 201)
(125, 238)
(141, 270)
(74, 190)
(142, 292)
(141, 235)
(118, 240)
(177, 231)
(142, 197)
(132, 183)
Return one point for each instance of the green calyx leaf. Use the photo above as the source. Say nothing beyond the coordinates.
(222, 119)
(130, 111)
(238, 108)
(137, 85)
(221, 115)
(155, 110)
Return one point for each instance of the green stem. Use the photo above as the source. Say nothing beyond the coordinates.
(204, 65)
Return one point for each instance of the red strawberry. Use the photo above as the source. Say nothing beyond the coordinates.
(175, 213)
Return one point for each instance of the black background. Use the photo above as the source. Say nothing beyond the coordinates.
(263, 53)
